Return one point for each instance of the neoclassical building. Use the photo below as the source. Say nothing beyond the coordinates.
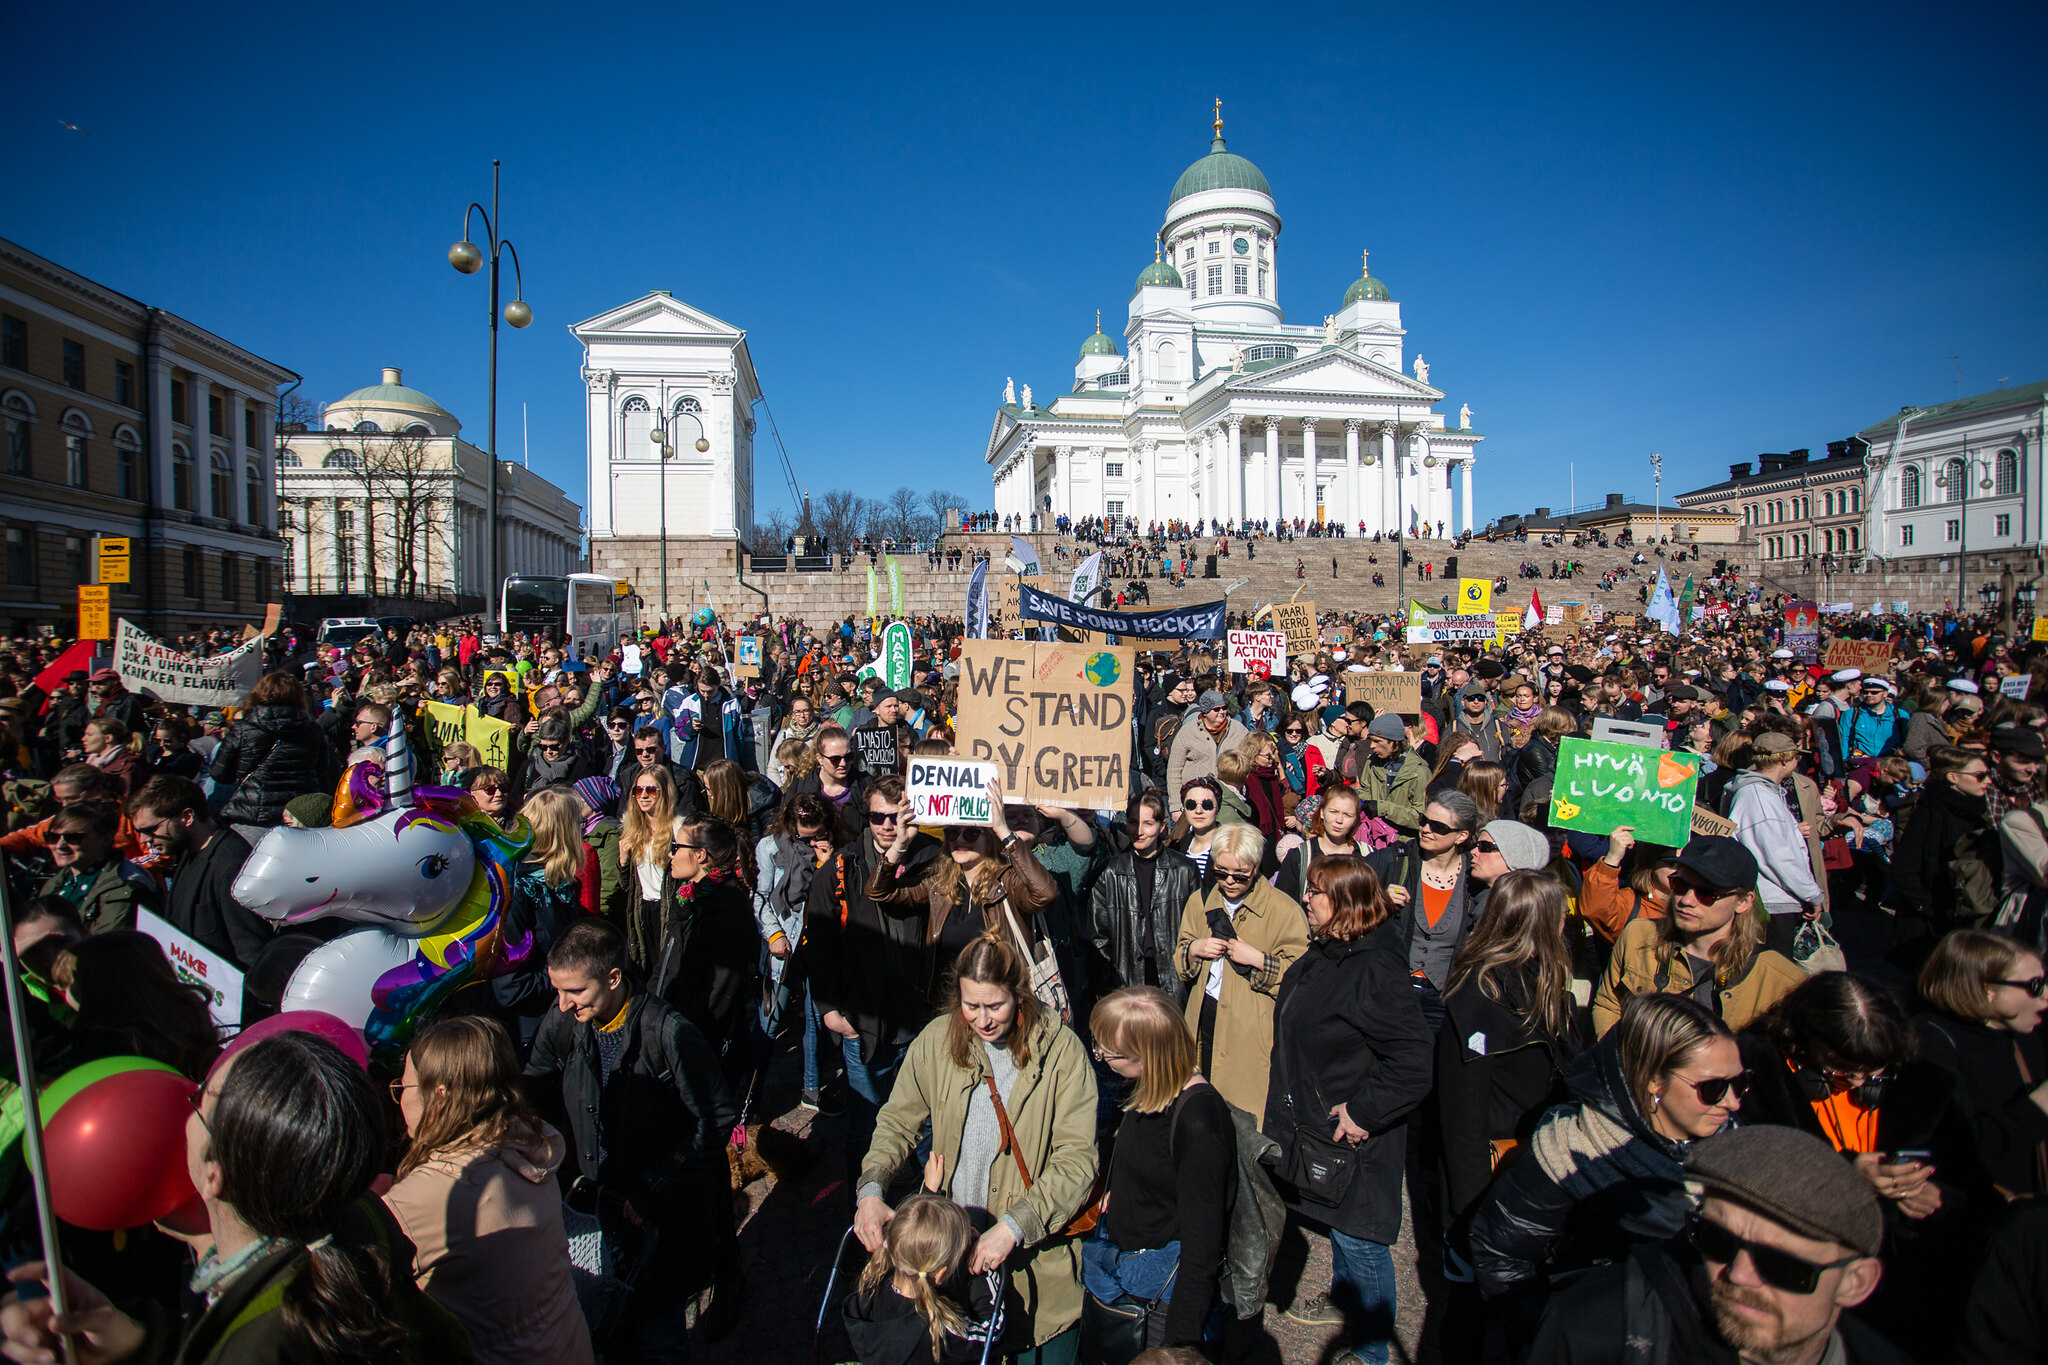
(1214, 408)
(1921, 460)
(388, 498)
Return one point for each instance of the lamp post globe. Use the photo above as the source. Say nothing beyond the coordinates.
(517, 313)
(702, 445)
(465, 257)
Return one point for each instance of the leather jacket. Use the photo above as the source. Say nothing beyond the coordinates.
(1118, 943)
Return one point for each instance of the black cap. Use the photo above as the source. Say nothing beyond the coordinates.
(1682, 692)
(1720, 862)
(1488, 668)
(1578, 673)
(2023, 740)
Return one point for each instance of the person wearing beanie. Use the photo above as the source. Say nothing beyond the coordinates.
(1393, 782)
(1506, 846)
(1787, 1238)
(1205, 734)
(314, 810)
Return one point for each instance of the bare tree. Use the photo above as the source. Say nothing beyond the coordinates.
(840, 517)
(405, 483)
(297, 413)
(773, 530)
(938, 502)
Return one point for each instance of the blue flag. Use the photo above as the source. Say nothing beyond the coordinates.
(1663, 607)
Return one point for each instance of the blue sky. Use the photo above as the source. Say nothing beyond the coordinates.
(1612, 230)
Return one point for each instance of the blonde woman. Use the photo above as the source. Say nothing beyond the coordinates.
(1161, 1243)
(647, 828)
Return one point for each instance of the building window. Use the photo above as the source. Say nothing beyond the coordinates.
(124, 383)
(181, 478)
(1115, 509)
(253, 499)
(366, 428)
(1952, 477)
(127, 468)
(1112, 470)
(688, 404)
(1188, 256)
(13, 342)
(230, 572)
(639, 429)
(1215, 278)
(192, 572)
(1240, 279)
(1909, 489)
(17, 446)
(288, 459)
(345, 521)
(2006, 470)
(1856, 500)
(216, 415)
(1215, 248)
(21, 560)
(249, 427)
(1855, 538)
(1955, 529)
(74, 559)
(1827, 502)
(222, 487)
(341, 459)
(74, 365)
(178, 401)
(74, 461)
(1905, 536)
(284, 519)
(291, 564)
(2002, 525)
(1262, 281)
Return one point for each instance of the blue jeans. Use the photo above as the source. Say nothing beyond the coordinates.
(1110, 1273)
(868, 1085)
(1362, 1289)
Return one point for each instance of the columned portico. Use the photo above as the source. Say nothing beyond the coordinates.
(1272, 471)
(1308, 464)
(1465, 483)
(1235, 469)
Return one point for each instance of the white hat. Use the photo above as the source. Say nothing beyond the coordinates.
(1338, 652)
(1781, 654)
(1307, 697)
(1612, 638)
(1778, 685)
(1846, 675)
(1963, 685)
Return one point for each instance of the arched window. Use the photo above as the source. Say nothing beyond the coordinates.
(2006, 469)
(127, 462)
(288, 459)
(1167, 359)
(1909, 486)
(639, 421)
(1856, 499)
(688, 404)
(1952, 476)
(342, 459)
(181, 478)
(366, 427)
(76, 422)
(419, 429)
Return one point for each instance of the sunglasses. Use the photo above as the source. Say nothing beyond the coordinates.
(1294, 732)
(694, 848)
(884, 817)
(1199, 805)
(1682, 882)
(1439, 827)
(1105, 1056)
(1778, 1269)
(1223, 876)
(1485, 846)
(69, 838)
(647, 791)
(549, 748)
(1714, 1089)
(2036, 986)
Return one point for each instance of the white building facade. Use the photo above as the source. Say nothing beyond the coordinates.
(388, 498)
(1216, 410)
(1958, 477)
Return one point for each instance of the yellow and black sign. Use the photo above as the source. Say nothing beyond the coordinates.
(93, 614)
(1475, 596)
(113, 561)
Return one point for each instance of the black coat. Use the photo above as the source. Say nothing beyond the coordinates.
(1347, 1030)
(275, 753)
(867, 960)
(710, 954)
(1923, 886)
(2005, 1321)
(1992, 1095)
(1118, 943)
(1496, 1074)
(202, 902)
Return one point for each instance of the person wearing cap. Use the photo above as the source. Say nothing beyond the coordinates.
(1711, 946)
(1471, 713)
(1393, 780)
(1874, 726)
(1786, 1239)
(1205, 734)
(1604, 1172)
(1169, 716)
(1834, 696)
(2016, 754)
(1761, 801)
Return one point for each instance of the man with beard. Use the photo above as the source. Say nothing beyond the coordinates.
(1787, 1239)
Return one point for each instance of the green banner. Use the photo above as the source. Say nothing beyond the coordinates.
(1600, 786)
(896, 655)
(895, 587)
(871, 590)
(1685, 602)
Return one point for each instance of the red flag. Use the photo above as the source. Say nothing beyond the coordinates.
(77, 659)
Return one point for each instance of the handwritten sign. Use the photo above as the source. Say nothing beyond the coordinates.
(1706, 822)
(1601, 785)
(877, 749)
(1868, 656)
(1056, 719)
(2016, 686)
(198, 965)
(748, 657)
(1398, 692)
(949, 791)
(1298, 621)
(1265, 648)
(148, 665)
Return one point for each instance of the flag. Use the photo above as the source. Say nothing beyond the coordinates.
(1663, 608)
(1021, 549)
(1685, 602)
(1418, 615)
(871, 590)
(977, 602)
(895, 587)
(1087, 578)
(1533, 617)
(1475, 596)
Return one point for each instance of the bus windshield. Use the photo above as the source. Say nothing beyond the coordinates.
(536, 604)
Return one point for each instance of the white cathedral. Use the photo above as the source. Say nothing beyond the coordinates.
(1157, 431)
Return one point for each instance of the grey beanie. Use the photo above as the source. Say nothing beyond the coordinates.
(1210, 700)
(1387, 725)
(1523, 848)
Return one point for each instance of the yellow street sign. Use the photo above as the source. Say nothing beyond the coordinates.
(113, 561)
(93, 623)
(621, 588)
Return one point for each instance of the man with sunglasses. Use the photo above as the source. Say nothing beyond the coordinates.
(1787, 1238)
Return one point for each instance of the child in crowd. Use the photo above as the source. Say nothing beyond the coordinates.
(916, 1302)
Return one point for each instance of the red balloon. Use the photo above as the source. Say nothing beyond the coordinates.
(336, 1031)
(117, 1151)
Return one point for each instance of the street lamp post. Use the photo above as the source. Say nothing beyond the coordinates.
(659, 434)
(1969, 462)
(465, 257)
(1657, 477)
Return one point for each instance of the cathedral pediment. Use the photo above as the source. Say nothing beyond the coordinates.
(656, 315)
(1334, 371)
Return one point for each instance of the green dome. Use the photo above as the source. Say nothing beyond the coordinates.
(1365, 287)
(1099, 344)
(1220, 170)
(1159, 272)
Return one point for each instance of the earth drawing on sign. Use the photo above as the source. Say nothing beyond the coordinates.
(1102, 669)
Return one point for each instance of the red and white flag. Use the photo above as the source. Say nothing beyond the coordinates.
(1533, 617)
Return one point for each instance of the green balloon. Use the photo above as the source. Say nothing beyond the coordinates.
(79, 1077)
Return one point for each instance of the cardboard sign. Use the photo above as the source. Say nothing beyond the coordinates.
(200, 966)
(1298, 620)
(1056, 718)
(1506, 625)
(875, 746)
(148, 665)
(1400, 693)
(2040, 628)
(949, 791)
(1601, 785)
(1869, 656)
(93, 612)
(1574, 613)
(2016, 686)
(748, 657)
(1627, 621)
(1265, 648)
(1612, 730)
(1706, 822)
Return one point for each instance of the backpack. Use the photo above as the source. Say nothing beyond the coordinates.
(1162, 739)
(1257, 1218)
(1975, 872)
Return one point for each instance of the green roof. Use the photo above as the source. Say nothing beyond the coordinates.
(1099, 344)
(2019, 394)
(1365, 287)
(1220, 170)
(390, 396)
(1159, 272)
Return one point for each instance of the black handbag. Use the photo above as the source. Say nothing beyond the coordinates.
(1319, 1168)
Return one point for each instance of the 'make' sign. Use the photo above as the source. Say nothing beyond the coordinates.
(949, 791)
(1054, 718)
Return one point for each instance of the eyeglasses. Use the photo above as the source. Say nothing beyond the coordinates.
(1776, 1268)
(1224, 876)
(1485, 846)
(694, 848)
(2036, 986)
(1439, 827)
(1714, 1089)
(647, 791)
(884, 817)
(1105, 1056)
(398, 1089)
(1199, 805)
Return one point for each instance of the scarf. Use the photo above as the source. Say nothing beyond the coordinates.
(1521, 723)
(806, 733)
(1216, 731)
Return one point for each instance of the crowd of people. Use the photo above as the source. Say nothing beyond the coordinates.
(1085, 1070)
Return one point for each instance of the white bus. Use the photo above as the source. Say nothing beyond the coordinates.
(584, 612)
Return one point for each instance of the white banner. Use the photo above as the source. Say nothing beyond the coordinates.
(1450, 630)
(949, 791)
(1837, 608)
(201, 966)
(1267, 648)
(151, 667)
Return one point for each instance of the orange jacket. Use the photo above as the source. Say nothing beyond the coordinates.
(1607, 905)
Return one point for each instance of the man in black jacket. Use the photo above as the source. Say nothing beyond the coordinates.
(170, 817)
(647, 1114)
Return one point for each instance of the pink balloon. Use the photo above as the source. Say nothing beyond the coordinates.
(335, 1031)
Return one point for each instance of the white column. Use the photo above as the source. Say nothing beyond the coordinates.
(1418, 483)
(598, 423)
(1390, 515)
(238, 458)
(1465, 478)
(1274, 503)
(1308, 466)
(1145, 482)
(1350, 499)
(157, 482)
(1234, 470)
(1062, 479)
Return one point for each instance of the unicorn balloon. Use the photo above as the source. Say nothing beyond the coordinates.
(427, 875)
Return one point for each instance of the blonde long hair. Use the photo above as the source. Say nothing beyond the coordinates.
(644, 836)
(725, 788)
(927, 1238)
(556, 817)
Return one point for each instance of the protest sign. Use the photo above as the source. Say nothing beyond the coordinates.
(747, 657)
(1398, 692)
(1837, 608)
(1298, 620)
(492, 738)
(949, 791)
(1055, 717)
(2041, 628)
(1475, 596)
(151, 667)
(1612, 730)
(1869, 656)
(895, 659)
(1706, 822)
(1601, 785)
(2016, 686)
(1202, 621)
(1005, 613)
(1265, 648)
(1574, 613)
(451, 723)
(1477, 630)
(198, 965)
(876, 748)
(1506, 626)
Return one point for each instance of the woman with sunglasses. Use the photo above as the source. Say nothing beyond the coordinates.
(1986, 995)
(1295, 733)
(91, 875)
(1945, 852)
(1710, 948)
(645, 833)
(710, 948)
(786, 860)
(1201, 811)
(1606, 1170)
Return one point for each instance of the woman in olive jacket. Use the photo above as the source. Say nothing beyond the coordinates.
(1350, 1062)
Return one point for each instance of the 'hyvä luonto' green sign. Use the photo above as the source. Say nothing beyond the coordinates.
(1600, 785)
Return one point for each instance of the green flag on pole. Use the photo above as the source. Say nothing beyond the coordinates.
(895, 587)
(1685, 602)
(871, 590)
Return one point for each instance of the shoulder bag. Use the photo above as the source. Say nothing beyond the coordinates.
(1091, 1212)
(1046, 982)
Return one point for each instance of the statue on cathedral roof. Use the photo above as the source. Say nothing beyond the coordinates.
(1009, 391)
(1421, 370)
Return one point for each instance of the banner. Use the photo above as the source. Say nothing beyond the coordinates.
(1201, 622)
(153, 668)
(895, 587)
(1087, 578)
(895, 660)
(1056, 718)
(976, 614)
(451, 723)
(1265, 648)
(1398, 692)
(871, 590)
(198, 965)
(492, 738)
(1023, 553)
(1475, 596)
(1445, 630)
(1600, 786)
(1663, 608)
(1298, 620)
(949, 791)
(1868, 656)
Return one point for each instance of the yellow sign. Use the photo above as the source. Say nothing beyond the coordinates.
(621, 588)
(2041, 627)
(93, 623)
(450, 722)
(1506, 625)
(1475, 596)
(113, 562)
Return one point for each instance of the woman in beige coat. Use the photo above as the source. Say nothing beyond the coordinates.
(476, 1193)
(994, 1041)
(1236, 942)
